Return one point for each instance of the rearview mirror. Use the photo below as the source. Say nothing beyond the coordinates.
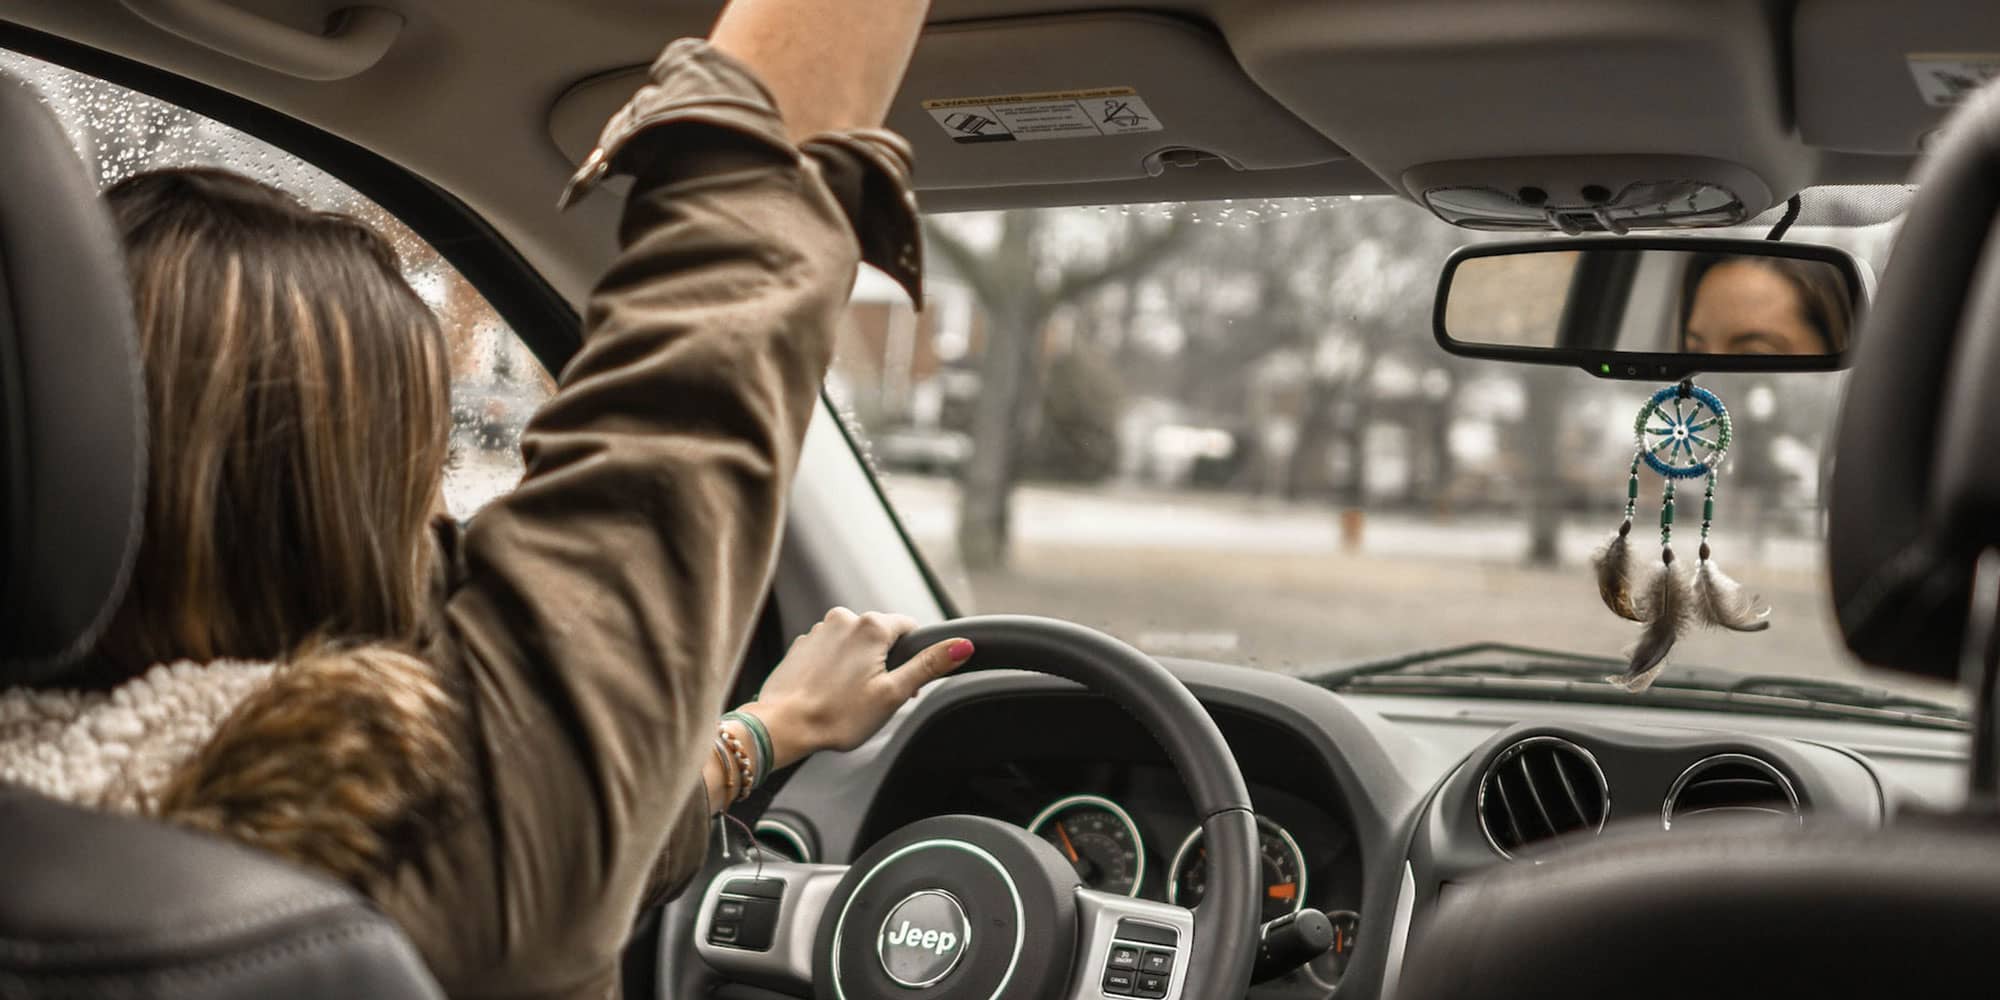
(1651, 308)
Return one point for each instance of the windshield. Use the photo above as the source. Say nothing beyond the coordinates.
(1224, 430)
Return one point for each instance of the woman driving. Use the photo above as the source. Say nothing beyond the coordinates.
(507, 736)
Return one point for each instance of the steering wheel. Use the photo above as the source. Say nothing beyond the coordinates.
(970, 908)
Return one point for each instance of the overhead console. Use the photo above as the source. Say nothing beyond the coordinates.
(1476, 108)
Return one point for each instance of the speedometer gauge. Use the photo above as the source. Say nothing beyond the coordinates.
(1283, 866)
(1098, 838)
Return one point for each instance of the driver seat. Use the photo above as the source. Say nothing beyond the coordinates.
(95, 905)
(1824, 912)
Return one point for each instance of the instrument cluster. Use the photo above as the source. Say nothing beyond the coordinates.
(1109, 850)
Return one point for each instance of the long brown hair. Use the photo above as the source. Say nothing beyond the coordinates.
(300, 419)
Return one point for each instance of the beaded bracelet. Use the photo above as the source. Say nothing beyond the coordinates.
(737, 764)
(731, 775)
(742, 760)
(766, 757)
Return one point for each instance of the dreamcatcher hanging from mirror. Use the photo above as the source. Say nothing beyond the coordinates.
(1683, 434)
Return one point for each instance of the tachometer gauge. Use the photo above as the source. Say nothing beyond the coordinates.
(1284, 867)
(1098, 838)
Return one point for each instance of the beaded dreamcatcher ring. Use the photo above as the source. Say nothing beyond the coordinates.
(1683, 432)
(1692, 430)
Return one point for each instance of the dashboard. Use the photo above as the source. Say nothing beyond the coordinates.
(1372, 808)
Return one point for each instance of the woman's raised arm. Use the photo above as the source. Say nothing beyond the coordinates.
(597, 613)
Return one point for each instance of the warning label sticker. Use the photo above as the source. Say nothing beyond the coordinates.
(1063, 114)
(1946, 78)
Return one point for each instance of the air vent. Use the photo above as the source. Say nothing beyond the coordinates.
(1730, 786)
(1542, 788)
(784, 841)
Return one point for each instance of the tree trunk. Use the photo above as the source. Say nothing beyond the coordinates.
(1309, 442)
(1354, 492)
(1541, 431)
(1006, 371)
(1443, 468)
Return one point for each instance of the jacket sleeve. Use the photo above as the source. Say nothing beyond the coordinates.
(602, 606)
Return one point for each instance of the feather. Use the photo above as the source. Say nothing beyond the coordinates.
(1721, 601)
(1666, 609)
(1613, 563)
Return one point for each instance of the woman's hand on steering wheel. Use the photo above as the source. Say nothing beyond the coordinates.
(973, 905)
(834, 688)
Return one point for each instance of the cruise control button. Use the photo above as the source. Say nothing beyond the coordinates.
(1158, 962)
(729, 909)
(722, 933)
(1124, 957)
(1150, 986)
(1119, 981)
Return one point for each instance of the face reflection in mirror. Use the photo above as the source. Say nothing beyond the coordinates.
(1764, 305)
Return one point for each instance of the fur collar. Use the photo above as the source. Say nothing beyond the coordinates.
(116, 750)
(345, 759)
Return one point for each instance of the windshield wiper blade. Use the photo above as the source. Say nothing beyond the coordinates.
(1488, 684)
(1487, 657)
(1841, 692)
(1497, 669)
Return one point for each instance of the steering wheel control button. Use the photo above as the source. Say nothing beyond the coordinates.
(1151, 987)
(746, 914)
(1147, 933)
(923, 938)
(1120, 982)
(1124, 956)
(760, 888)
(1157, 962)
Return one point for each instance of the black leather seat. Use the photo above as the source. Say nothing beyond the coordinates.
(92, 905)
(1824, 913)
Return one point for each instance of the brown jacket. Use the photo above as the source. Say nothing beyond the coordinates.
(590, 621)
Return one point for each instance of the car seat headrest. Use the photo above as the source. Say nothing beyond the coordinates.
(72, 400)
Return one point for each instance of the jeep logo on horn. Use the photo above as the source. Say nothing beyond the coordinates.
(922, 939)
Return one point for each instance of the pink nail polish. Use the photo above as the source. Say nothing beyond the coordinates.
(960, 650)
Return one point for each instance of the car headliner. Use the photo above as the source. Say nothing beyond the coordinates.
(492, 101)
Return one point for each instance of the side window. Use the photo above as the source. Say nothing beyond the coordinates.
(496, 382)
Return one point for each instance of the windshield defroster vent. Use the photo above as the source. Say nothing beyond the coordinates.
(1731, 786)
(1542, 788)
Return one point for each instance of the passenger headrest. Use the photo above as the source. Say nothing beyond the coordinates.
(1916, 479)
(72, 400)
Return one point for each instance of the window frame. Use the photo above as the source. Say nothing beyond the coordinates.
(537, 314)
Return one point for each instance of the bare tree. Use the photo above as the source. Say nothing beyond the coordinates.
(1021, 280)
(1541, 436)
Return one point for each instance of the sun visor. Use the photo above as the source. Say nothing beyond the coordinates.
(1052, 100)
(1088, 97)
(1525, 105)
(1880, 79)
